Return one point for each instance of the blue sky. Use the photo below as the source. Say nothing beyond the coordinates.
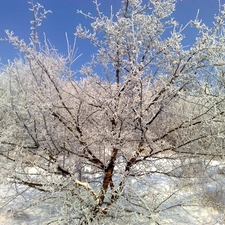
(15, 16)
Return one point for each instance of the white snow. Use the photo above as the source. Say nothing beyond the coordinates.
(184, 207)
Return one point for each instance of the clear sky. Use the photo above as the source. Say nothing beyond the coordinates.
(15, 16)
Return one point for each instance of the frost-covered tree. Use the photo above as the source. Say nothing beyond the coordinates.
(126, 143)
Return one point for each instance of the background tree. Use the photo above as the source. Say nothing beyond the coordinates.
(123, 143)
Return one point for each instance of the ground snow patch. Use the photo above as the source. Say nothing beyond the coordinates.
(181, 209)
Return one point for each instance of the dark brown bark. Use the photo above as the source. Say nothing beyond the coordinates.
(108, 176)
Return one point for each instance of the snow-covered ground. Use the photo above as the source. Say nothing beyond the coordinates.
(15, 211)
(199, 204)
